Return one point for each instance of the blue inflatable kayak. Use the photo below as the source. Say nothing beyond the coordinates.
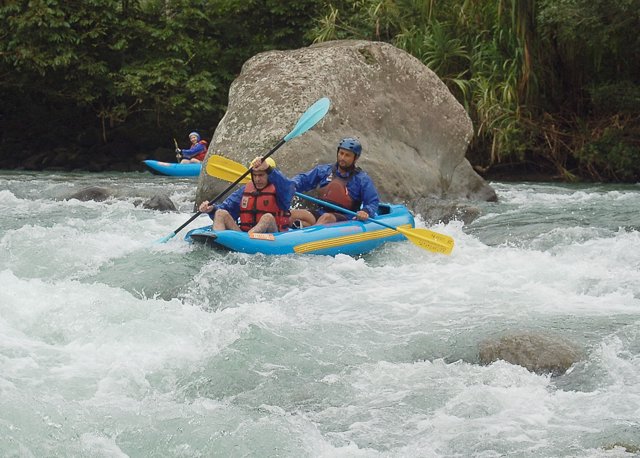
(173, 169)
(350, 237)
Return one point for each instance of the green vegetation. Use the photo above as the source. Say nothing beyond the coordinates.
(552, 86)
(124, 76)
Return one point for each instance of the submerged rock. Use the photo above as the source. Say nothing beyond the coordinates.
(535, 352)
(443, 211)
(413, 131)
(91, 193)
(628, 448)
(160, 202)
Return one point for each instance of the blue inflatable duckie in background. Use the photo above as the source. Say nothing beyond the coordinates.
(173, 169)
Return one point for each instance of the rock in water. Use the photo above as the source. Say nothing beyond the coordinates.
(160, 202)
(413, 131)
(90, 193)
(536, 352)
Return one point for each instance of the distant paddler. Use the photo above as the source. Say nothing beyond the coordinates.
(196, 153)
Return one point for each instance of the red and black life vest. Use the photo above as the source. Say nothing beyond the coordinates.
(256, 203)
(336, 192)
(200, 156)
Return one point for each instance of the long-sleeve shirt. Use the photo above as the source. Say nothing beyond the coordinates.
(285, 188)
(193, 151)
(360, 187)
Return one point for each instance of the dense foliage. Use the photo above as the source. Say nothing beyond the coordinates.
(551, 85)
(129, 74)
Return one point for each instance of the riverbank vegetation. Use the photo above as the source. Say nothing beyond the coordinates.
(552, 86)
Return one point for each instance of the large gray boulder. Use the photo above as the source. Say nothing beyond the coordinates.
(413, 131)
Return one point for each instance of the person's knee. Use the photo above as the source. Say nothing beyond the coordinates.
(268, 218)
(326, 218)
(305, 216)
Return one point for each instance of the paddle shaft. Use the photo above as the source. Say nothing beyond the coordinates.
(424, 238)
(230, 187)
(341, 209)
(309, 119)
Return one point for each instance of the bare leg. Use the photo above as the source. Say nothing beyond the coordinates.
(326, 218)
(223, 220)
(267, 223)
(305, 216)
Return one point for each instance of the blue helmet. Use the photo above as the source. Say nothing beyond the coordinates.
(351, 144)
(196, 134)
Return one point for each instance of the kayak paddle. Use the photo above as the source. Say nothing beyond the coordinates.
(228, 170)
(308, 119)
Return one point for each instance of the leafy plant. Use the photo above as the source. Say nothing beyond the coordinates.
(529, 73)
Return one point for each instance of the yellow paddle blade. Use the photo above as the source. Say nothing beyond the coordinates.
(226, 169)
(429, 240)
(437, 237)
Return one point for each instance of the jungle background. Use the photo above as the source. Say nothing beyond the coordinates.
(552, 86)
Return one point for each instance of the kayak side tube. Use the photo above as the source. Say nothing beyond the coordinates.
(173, 168)
(349, 237)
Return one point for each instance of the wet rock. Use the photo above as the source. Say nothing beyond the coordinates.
(91, 193)
(628, 448)
(439, 211)
(159, 202)
(536, 352)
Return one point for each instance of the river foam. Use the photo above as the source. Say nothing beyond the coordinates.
(114, 345)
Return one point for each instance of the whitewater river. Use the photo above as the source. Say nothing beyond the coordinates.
(113, 346)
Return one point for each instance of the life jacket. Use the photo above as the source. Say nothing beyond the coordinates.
(200, 156)
(256, 203)
(336, 191)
